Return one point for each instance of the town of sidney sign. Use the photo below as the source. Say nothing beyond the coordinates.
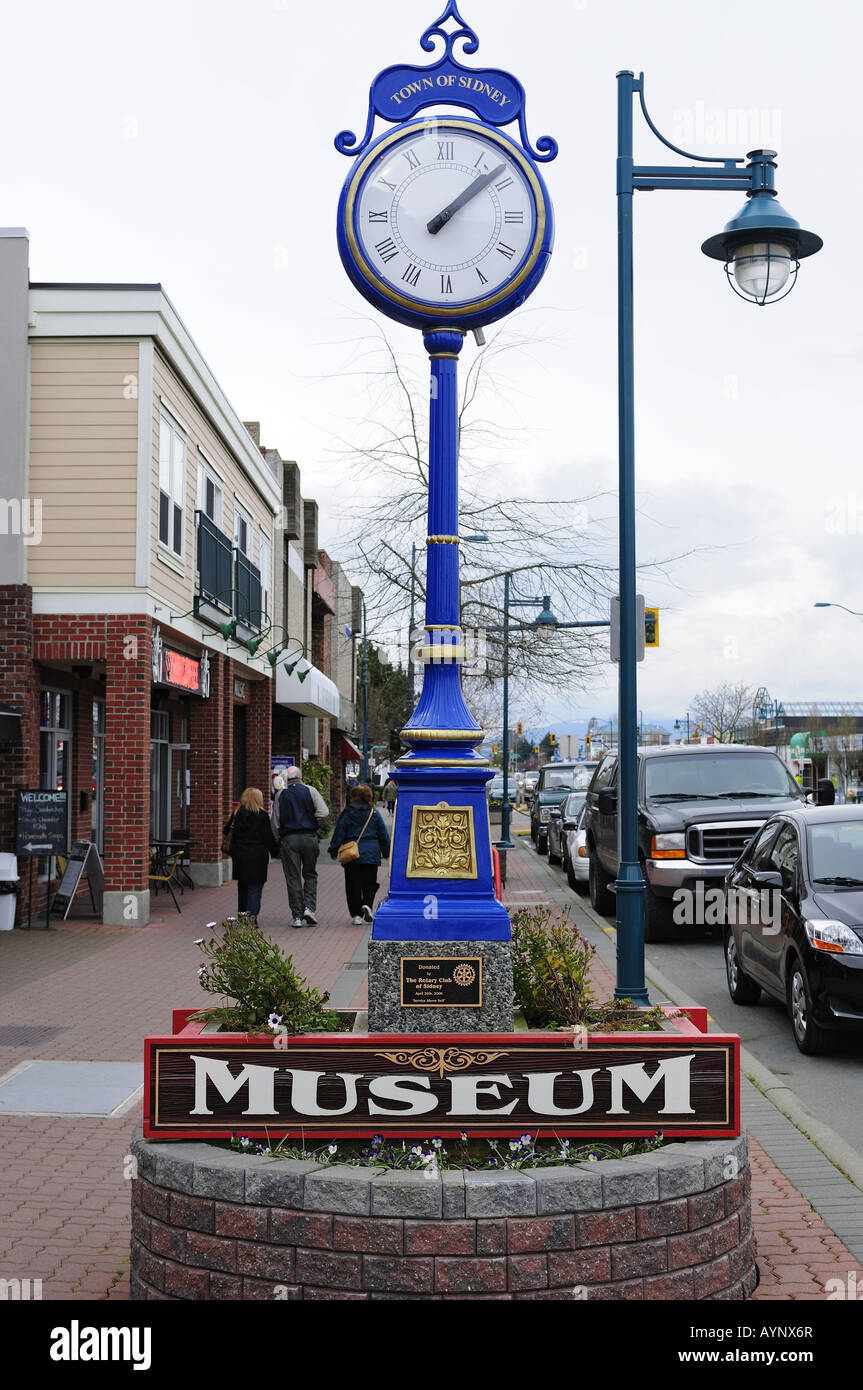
(201, 1084)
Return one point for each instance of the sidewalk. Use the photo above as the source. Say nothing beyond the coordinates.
(83, 992)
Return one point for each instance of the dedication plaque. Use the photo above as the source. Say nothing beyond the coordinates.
(441, 981)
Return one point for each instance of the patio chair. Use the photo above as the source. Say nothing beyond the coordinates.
(168, 877)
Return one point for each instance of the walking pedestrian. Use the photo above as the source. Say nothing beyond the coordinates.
(297, 813)
(252, 843)
(391, 791)
(361, 823)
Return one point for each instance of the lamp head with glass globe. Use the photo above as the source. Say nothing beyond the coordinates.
(762, 246)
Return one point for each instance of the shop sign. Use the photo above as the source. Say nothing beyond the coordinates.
(181, 670)
(178, 669)
(239, 689)
(200, 1084)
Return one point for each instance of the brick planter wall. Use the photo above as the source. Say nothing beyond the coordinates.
(211, 1224)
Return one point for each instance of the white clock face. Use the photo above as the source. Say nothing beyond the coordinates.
(446, 215)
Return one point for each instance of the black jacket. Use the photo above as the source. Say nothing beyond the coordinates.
(375, 839)
(252, 843)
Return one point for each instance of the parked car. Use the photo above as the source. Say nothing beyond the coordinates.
(575, 859)
(560, 822)
(555, 780)
(794, 921)
(698, 807)
(494, 790)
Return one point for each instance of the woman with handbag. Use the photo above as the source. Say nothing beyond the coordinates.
(359, 841)
(250, 842)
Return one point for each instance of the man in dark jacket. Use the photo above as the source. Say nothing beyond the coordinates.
(297, 813)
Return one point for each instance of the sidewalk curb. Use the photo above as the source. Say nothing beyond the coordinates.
(822, 1136)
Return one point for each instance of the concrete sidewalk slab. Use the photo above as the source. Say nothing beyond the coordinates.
(70, 1088)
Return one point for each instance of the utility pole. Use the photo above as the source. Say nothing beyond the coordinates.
(365, 696)
(411, 673)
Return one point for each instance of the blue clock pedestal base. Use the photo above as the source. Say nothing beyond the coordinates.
(394, 964)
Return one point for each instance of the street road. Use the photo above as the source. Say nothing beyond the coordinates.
(831, 1087)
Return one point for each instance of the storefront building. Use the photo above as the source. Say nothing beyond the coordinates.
(319, 612)
(135, 599)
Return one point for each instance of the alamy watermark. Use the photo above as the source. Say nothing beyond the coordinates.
(712, 907)
(729, 126)
(21, 516)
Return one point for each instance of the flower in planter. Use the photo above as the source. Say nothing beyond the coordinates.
(199, 941)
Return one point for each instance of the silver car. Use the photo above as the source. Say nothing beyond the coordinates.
(575, 857)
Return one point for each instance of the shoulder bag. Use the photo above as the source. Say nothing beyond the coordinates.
(226, 837)
(349, 852)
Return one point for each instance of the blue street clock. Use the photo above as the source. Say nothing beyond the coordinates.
(445, 221)
(444, 224)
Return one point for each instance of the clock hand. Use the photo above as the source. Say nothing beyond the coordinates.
(471, 191)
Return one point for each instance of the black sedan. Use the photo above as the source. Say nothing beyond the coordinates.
(794, 921)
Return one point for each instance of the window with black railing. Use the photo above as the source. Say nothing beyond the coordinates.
(215, 564)
(248, 598)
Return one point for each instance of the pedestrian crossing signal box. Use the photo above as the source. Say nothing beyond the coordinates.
(651, 627)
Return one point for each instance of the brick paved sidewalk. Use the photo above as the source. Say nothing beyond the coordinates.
(87, 992)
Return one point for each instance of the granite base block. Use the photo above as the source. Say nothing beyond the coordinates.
(386, 1014)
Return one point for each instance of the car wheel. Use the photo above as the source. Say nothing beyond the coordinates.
(553, 858)
(601, 898)
(541, 844)
(742, 989)
(658, 921)
(808, 1035)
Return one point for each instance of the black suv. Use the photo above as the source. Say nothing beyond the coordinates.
(556, 781)
(698, 807)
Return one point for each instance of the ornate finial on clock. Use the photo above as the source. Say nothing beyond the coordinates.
(400, 91)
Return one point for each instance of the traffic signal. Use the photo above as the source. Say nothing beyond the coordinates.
(587, 743)
(552, 739)
(519, 728)
(494, 750)
(651, 627)
(536, 748)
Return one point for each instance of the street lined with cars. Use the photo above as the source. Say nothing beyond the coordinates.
(692, 967)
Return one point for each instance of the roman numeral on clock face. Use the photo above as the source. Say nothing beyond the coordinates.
(480, 163)
(507, 251)
(446, 284)
(504, 183)
(387, 249)
(446, 149)
(514, 217)
(483, 279)
(412, 275)
(412, 158)
(381, 216)
(386, 183)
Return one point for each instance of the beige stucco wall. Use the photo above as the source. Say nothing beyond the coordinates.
(83, 462)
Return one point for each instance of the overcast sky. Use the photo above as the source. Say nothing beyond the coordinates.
(191, 142)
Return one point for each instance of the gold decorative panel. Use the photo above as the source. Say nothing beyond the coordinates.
(442, 843)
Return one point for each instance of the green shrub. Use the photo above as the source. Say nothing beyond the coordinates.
(551, 969)
(270, 996)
